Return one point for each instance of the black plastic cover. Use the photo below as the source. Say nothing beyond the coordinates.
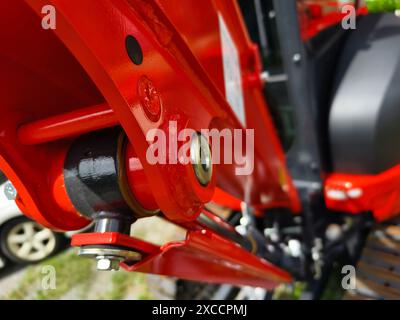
(364, 121)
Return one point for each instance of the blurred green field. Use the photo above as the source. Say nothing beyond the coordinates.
(77, 278)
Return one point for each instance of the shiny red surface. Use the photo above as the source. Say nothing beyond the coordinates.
(137, 180)
(182, 59)
(202, 256)
(261, 192)
(226, 200)
(29, 200)
(39, 79)
(380, 194)
(114, 238)
(51, 79)
(67, 124)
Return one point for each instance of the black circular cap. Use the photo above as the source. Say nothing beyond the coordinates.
(134, 50)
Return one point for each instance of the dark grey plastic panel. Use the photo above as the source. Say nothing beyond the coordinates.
(364, 121)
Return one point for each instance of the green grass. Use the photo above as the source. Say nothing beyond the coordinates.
(76, 275)
(122, 281)
(71, 271)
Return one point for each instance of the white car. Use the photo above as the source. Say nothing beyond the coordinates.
(22, 240)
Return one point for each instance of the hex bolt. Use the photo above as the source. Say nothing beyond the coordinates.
(201, 159)
(108, 259)
(108, 263)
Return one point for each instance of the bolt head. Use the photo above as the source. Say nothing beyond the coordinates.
(107, 264)
(201, 159)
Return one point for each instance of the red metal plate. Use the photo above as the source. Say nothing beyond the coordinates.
(205, 256)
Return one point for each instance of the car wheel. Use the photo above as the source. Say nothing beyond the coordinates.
(25, 241)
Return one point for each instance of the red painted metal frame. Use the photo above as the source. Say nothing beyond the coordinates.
(203, 255)
(71, 70)
(226, 200)
(58, 84)
(68, 124)
(114, 238)
(379, 193)
(79, 78)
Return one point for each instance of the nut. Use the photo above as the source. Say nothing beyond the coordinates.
(107, 264)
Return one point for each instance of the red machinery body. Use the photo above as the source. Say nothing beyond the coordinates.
(58, 84)
(202, 256)
(183, 62)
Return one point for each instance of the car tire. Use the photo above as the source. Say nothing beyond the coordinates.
(24, 241)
